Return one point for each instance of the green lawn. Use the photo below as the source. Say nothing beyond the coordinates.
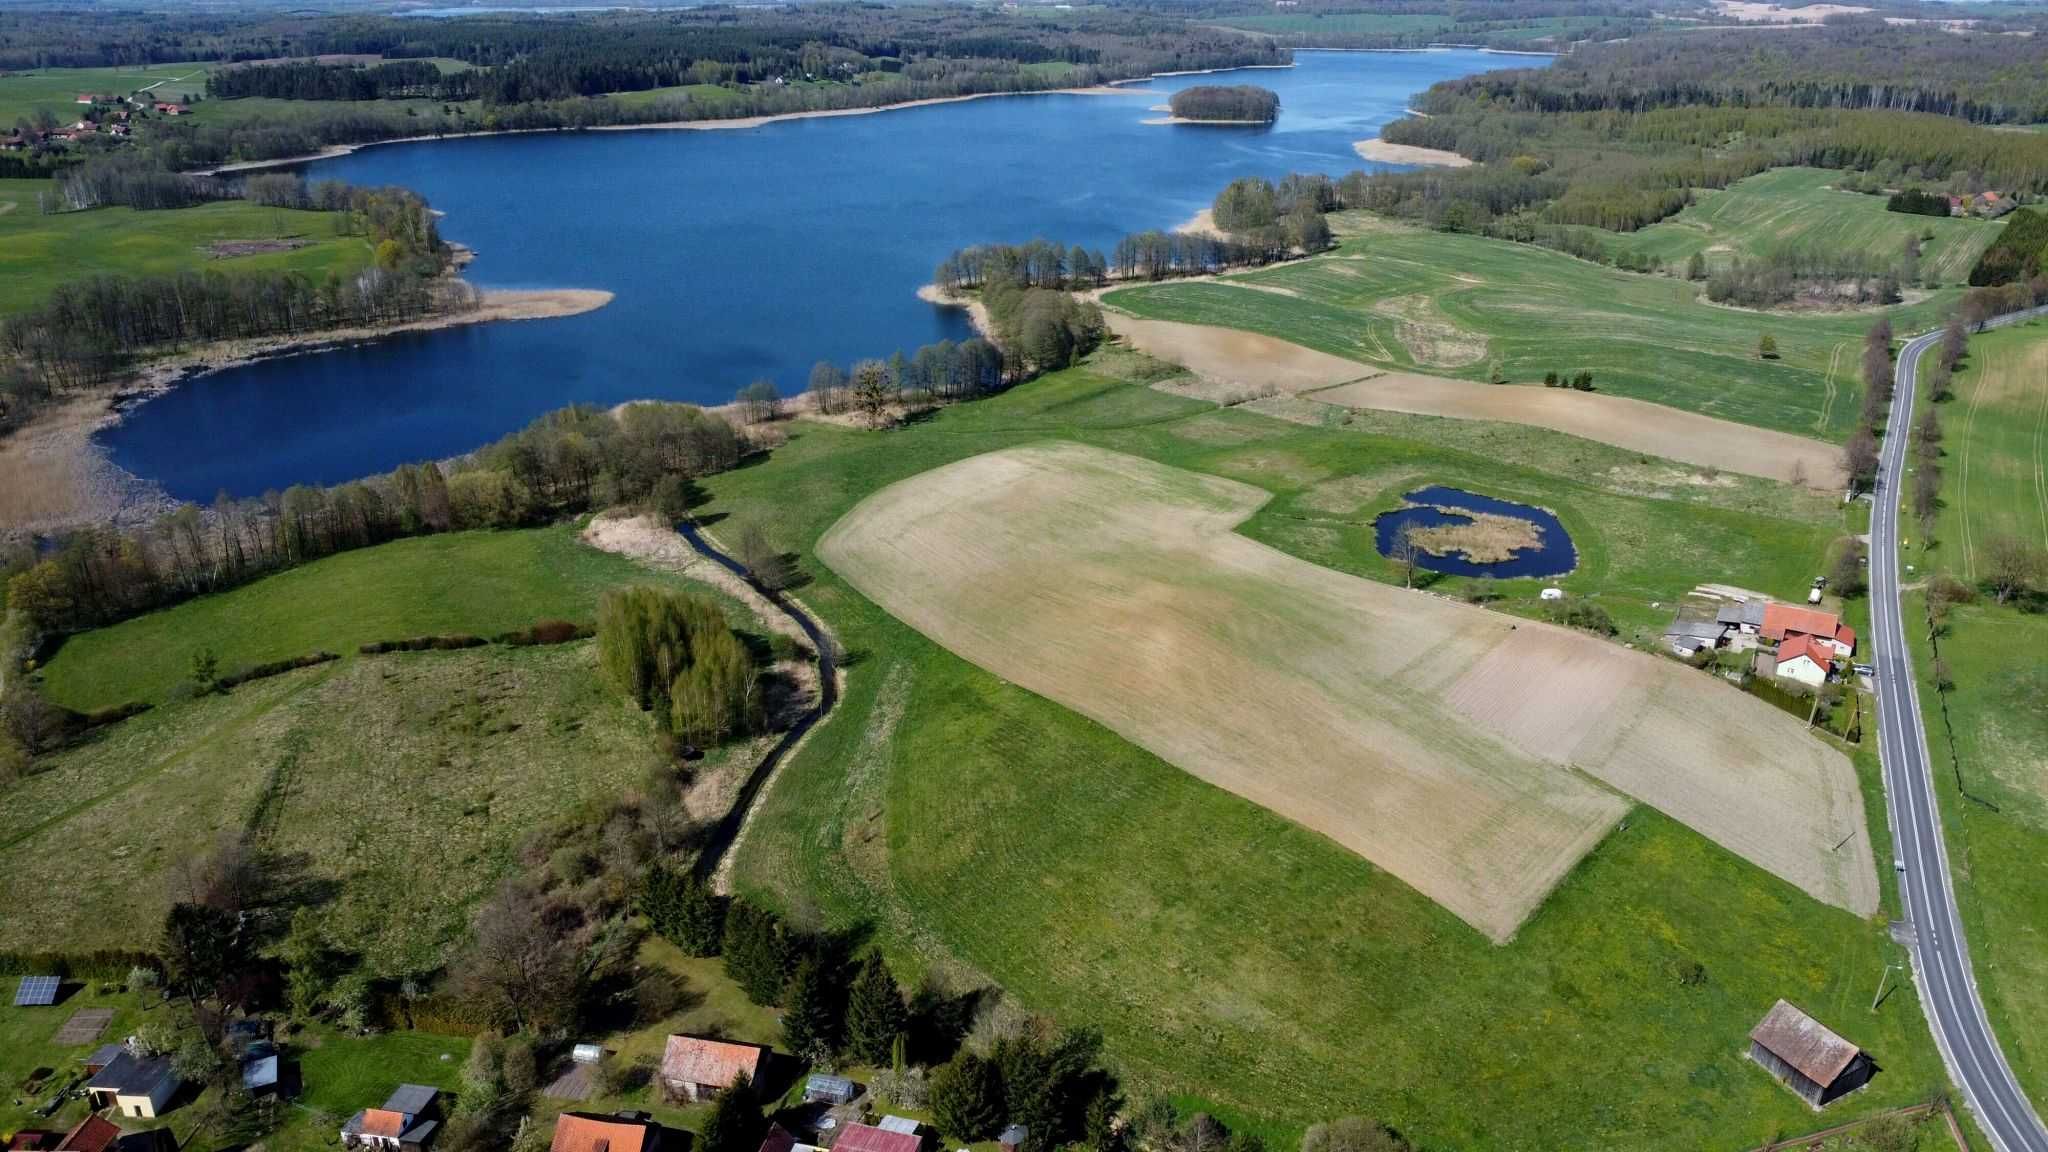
(1799, 207)
(343, 1073)
(25, 1047)
(39, 251)
(57, 89)
(476, 582)
(1450, 304)
(1232, 958)
(1998, 711)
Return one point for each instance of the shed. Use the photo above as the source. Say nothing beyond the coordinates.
(1808, 1056)
(1012, 1137)
(95, 1133)
(102, 1056)
(901, 1125)
(698, 1067)
(587, 1053)
(137, 1086)
(829, 1090)
(259, 1073)
(868, 1138)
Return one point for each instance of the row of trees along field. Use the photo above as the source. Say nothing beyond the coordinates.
(1236, 103)
(566, 461)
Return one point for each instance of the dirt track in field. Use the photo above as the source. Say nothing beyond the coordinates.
(1252, 362)
(1447, 744)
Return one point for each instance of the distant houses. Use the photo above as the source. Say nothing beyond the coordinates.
(406, 1122)
(697, 1068)
(1806, 643)
(1807, 1056)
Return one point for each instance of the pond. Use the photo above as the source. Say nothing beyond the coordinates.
(1465, 534)
(736, 255)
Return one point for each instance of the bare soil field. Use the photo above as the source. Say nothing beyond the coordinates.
(1385, 153)
(1398, 724)
(1254, 364)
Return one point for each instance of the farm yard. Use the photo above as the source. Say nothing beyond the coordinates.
(56, 90)
(1118, 587)
(1446, 304)
(1235, 958)
(1794, 208)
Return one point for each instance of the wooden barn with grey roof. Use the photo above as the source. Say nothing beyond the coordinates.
(1808, 1056)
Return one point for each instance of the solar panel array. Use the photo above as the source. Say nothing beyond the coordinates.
(35, 991)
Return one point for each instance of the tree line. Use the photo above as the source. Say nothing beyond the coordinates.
(313, 80)
(2015, 253)
(1234, 102)
(568, 460)
(1916, 202)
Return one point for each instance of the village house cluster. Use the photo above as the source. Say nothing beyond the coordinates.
(104, 117)
(1791, 642)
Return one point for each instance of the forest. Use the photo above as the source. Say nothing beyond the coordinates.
(1232, 103)
(2017, 252)
(311, 80)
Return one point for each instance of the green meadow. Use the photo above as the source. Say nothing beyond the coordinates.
(1451, 304)
(1233, 959)
(1988, 735)
(476, 582)
(1800, 208)
(38, 251)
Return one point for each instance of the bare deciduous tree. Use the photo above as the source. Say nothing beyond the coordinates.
(2012, 567)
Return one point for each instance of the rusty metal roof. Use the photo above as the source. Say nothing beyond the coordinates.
(1804, 1043)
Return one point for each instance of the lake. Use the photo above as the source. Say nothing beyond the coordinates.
(1437, 506)
(735, 255)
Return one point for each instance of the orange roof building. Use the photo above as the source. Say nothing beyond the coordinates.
(583, 1132)
(1782, 620)
(697, 1067)
(95, 1133)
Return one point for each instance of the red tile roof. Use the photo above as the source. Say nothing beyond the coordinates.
(32, 1140)
(575, 1132)
(381, 1122)
(1780, 619)
(1846, 637)
(716, 1063)
(93, 1134)
(867, 1138)
(779, 1139)
(1819, 651)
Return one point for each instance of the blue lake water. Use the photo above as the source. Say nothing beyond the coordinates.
(1555, 557)
(735, 255)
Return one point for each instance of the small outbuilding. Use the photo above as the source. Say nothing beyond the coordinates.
(1808, 1056)
(823, 1089)
(869, 1138)
(698, 1068)
(587, 1053)
(139, 1087)
(95, 1133)
(1012, 1138)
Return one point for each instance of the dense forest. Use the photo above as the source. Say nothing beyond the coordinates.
(1538, 24)
(310, 80)
(1235, 103)
(2016, 254)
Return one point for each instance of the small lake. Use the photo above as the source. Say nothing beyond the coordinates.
(1554, 556)
(736, 255)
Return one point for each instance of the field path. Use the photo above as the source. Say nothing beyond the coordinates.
(1475, 756)
(1827, 404)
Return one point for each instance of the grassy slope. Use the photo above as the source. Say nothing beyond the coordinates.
(1797, 206)
(38, 252)
(1228, 955)
(57, 89)
(479, 582)
(1651, 337)
(1999, 708)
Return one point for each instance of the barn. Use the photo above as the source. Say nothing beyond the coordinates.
(1808, 1056)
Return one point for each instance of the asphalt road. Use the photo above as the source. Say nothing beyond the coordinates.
(1941, 958)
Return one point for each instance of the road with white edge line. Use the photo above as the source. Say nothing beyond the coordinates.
(1941, 958)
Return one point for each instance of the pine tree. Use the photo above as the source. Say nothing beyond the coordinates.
(967, 1098)
(756, 952)
(810, 1026)
(682, 910)
(735, 1126)
(1767, 347)
(874, 1011)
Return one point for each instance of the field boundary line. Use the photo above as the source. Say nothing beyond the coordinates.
(1977, 390)
(2041, 458)
(1827, 403)
(1811, 1139)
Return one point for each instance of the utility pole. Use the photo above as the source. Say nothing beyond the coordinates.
(1881, 978)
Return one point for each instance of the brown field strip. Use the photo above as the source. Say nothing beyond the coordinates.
(1254, 361)
(1467, 753)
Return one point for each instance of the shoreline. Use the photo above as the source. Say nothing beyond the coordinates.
(1106, 88)
(57, 455)
(1220, 123)
(1380, 151)
(977, 312)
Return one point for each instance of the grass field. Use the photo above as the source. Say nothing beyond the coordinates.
(1118, 587)
(1995, 449)
(23, 94)
(1234, 958)
(1448, 305)
(396, 788)
(476, 582)
(1799, 207)
(38, 251)
(1992, 460)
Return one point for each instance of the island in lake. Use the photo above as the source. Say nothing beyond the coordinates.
(1224, 104)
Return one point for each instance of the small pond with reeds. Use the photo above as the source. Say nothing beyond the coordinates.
(1462, 533)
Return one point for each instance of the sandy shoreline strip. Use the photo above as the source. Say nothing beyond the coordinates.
(58, 477)
(977, 312)
(1385, 153)
(1219, 123)
(1202, 223)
